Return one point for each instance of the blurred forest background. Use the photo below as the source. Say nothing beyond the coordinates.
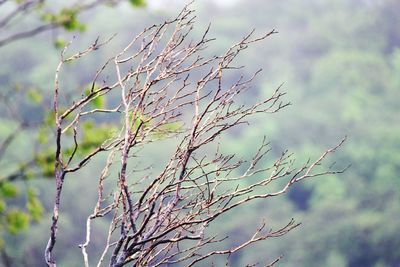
(340, 64)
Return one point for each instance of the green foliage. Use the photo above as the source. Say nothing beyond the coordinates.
(17, 221)
(331, 190)
(137, 119)
(92, 136)
(95, 136)
(138, 3)
(165, 130)
(34, 206)
(67, 18)
(2, 206)
(45, 161)
(342, 77)
(97, 101)
(19, 207)
(8, 190)
(60, 43)
(42, 136)
(49, 119)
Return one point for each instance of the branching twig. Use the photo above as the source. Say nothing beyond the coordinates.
(168, 90)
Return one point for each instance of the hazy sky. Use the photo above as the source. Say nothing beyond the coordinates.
(171, 3)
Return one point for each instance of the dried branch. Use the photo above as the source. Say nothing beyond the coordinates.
(163, 80)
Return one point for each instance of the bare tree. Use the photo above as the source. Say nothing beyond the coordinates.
(162, 80)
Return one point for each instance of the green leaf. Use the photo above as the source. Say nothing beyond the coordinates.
(93, 137)
(136, 121)
(34, 206)
(2, 206)
(138, 3)
(48, 17)
(60, 43)
(50, 119)
(67, 18)
(45, 161)
(29, 174)
(43, 136)
(17, 221)
(98, 102)
(167, 129)
(172, 127)
(34, 96)
(87, 125)
(8, 190)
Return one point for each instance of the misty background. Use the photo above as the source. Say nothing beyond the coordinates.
(339, 62)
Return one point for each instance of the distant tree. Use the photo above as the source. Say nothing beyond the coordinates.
(160, 87)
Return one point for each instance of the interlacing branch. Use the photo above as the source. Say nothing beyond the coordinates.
(168, 90)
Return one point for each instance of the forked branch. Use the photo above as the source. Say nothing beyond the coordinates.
(169, 90)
